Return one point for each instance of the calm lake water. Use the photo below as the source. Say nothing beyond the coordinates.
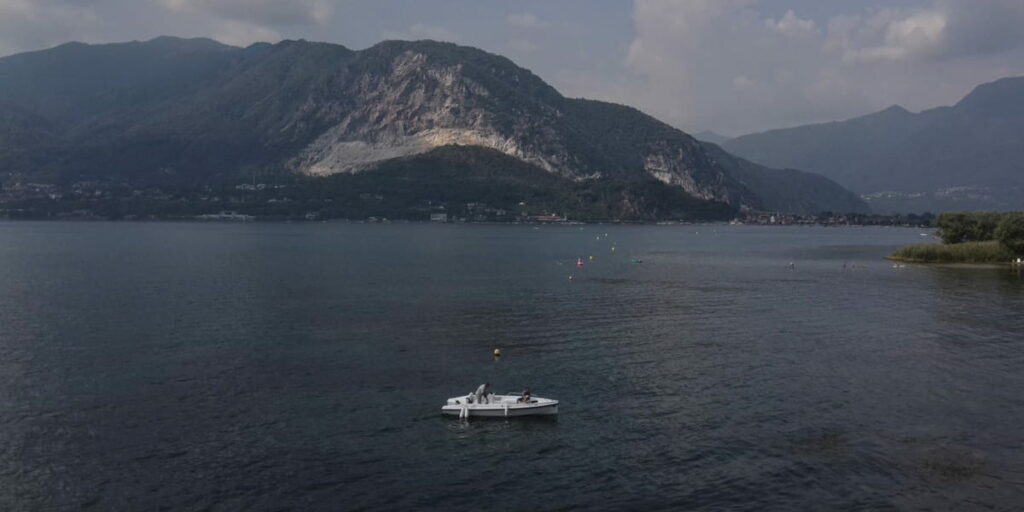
(182, 366)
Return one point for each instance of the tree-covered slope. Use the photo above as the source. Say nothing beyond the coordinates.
(788, 190)
(409, 187)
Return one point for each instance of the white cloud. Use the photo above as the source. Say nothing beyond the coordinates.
(792, 25)
(888, 35)
(266, 13)
(28, 24)
(727, 66)
(743, 82)
(525, 21)
(982, 28)
(15, 8)
(239, 33)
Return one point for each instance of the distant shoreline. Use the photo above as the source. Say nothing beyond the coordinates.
(263, 220)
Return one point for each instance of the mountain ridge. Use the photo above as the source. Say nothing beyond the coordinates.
(712, 137)
(965, 156)
(193, 111)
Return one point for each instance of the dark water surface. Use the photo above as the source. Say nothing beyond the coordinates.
(150, 366)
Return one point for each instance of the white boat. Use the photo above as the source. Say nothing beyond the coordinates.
(499, 406)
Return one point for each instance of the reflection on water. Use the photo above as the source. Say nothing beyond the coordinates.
(265, 366)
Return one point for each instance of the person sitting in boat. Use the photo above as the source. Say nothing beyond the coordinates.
(482, 392)
(525, 398)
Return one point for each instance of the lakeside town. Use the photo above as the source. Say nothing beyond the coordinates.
(283, 202)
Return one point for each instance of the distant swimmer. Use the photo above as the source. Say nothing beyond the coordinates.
(792, 265)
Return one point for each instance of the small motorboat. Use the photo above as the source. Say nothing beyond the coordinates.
(499, 406)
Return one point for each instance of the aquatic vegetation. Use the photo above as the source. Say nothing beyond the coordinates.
(966, 252)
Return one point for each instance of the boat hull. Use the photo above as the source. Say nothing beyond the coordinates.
(490, 412)
(502, 406)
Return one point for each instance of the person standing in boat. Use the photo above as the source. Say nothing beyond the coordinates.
(482, 392)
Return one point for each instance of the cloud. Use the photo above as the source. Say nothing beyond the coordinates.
(423, 31)
(243, 34)
(30, 24)
(243, 22)
(726, 65)
(525, 21)
(265, 13)
(943, 29)
(888, 35)
(15, 8)
(982, 28)
(704, 63)
(743, 82)
(792, 25)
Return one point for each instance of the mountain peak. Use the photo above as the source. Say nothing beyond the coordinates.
(895, 110)
(186, 41)
(999, 97)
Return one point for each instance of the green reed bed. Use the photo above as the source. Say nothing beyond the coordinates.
(967, 252)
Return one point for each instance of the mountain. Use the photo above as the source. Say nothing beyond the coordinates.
(712, 137)
(787, 190)
(968, 156)
(194, 112)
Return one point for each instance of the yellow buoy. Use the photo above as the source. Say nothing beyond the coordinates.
(591, 258)
(613, 249)
(497, 352)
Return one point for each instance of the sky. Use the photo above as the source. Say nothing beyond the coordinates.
(731, 66)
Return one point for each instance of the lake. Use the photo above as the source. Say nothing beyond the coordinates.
(251, 366)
